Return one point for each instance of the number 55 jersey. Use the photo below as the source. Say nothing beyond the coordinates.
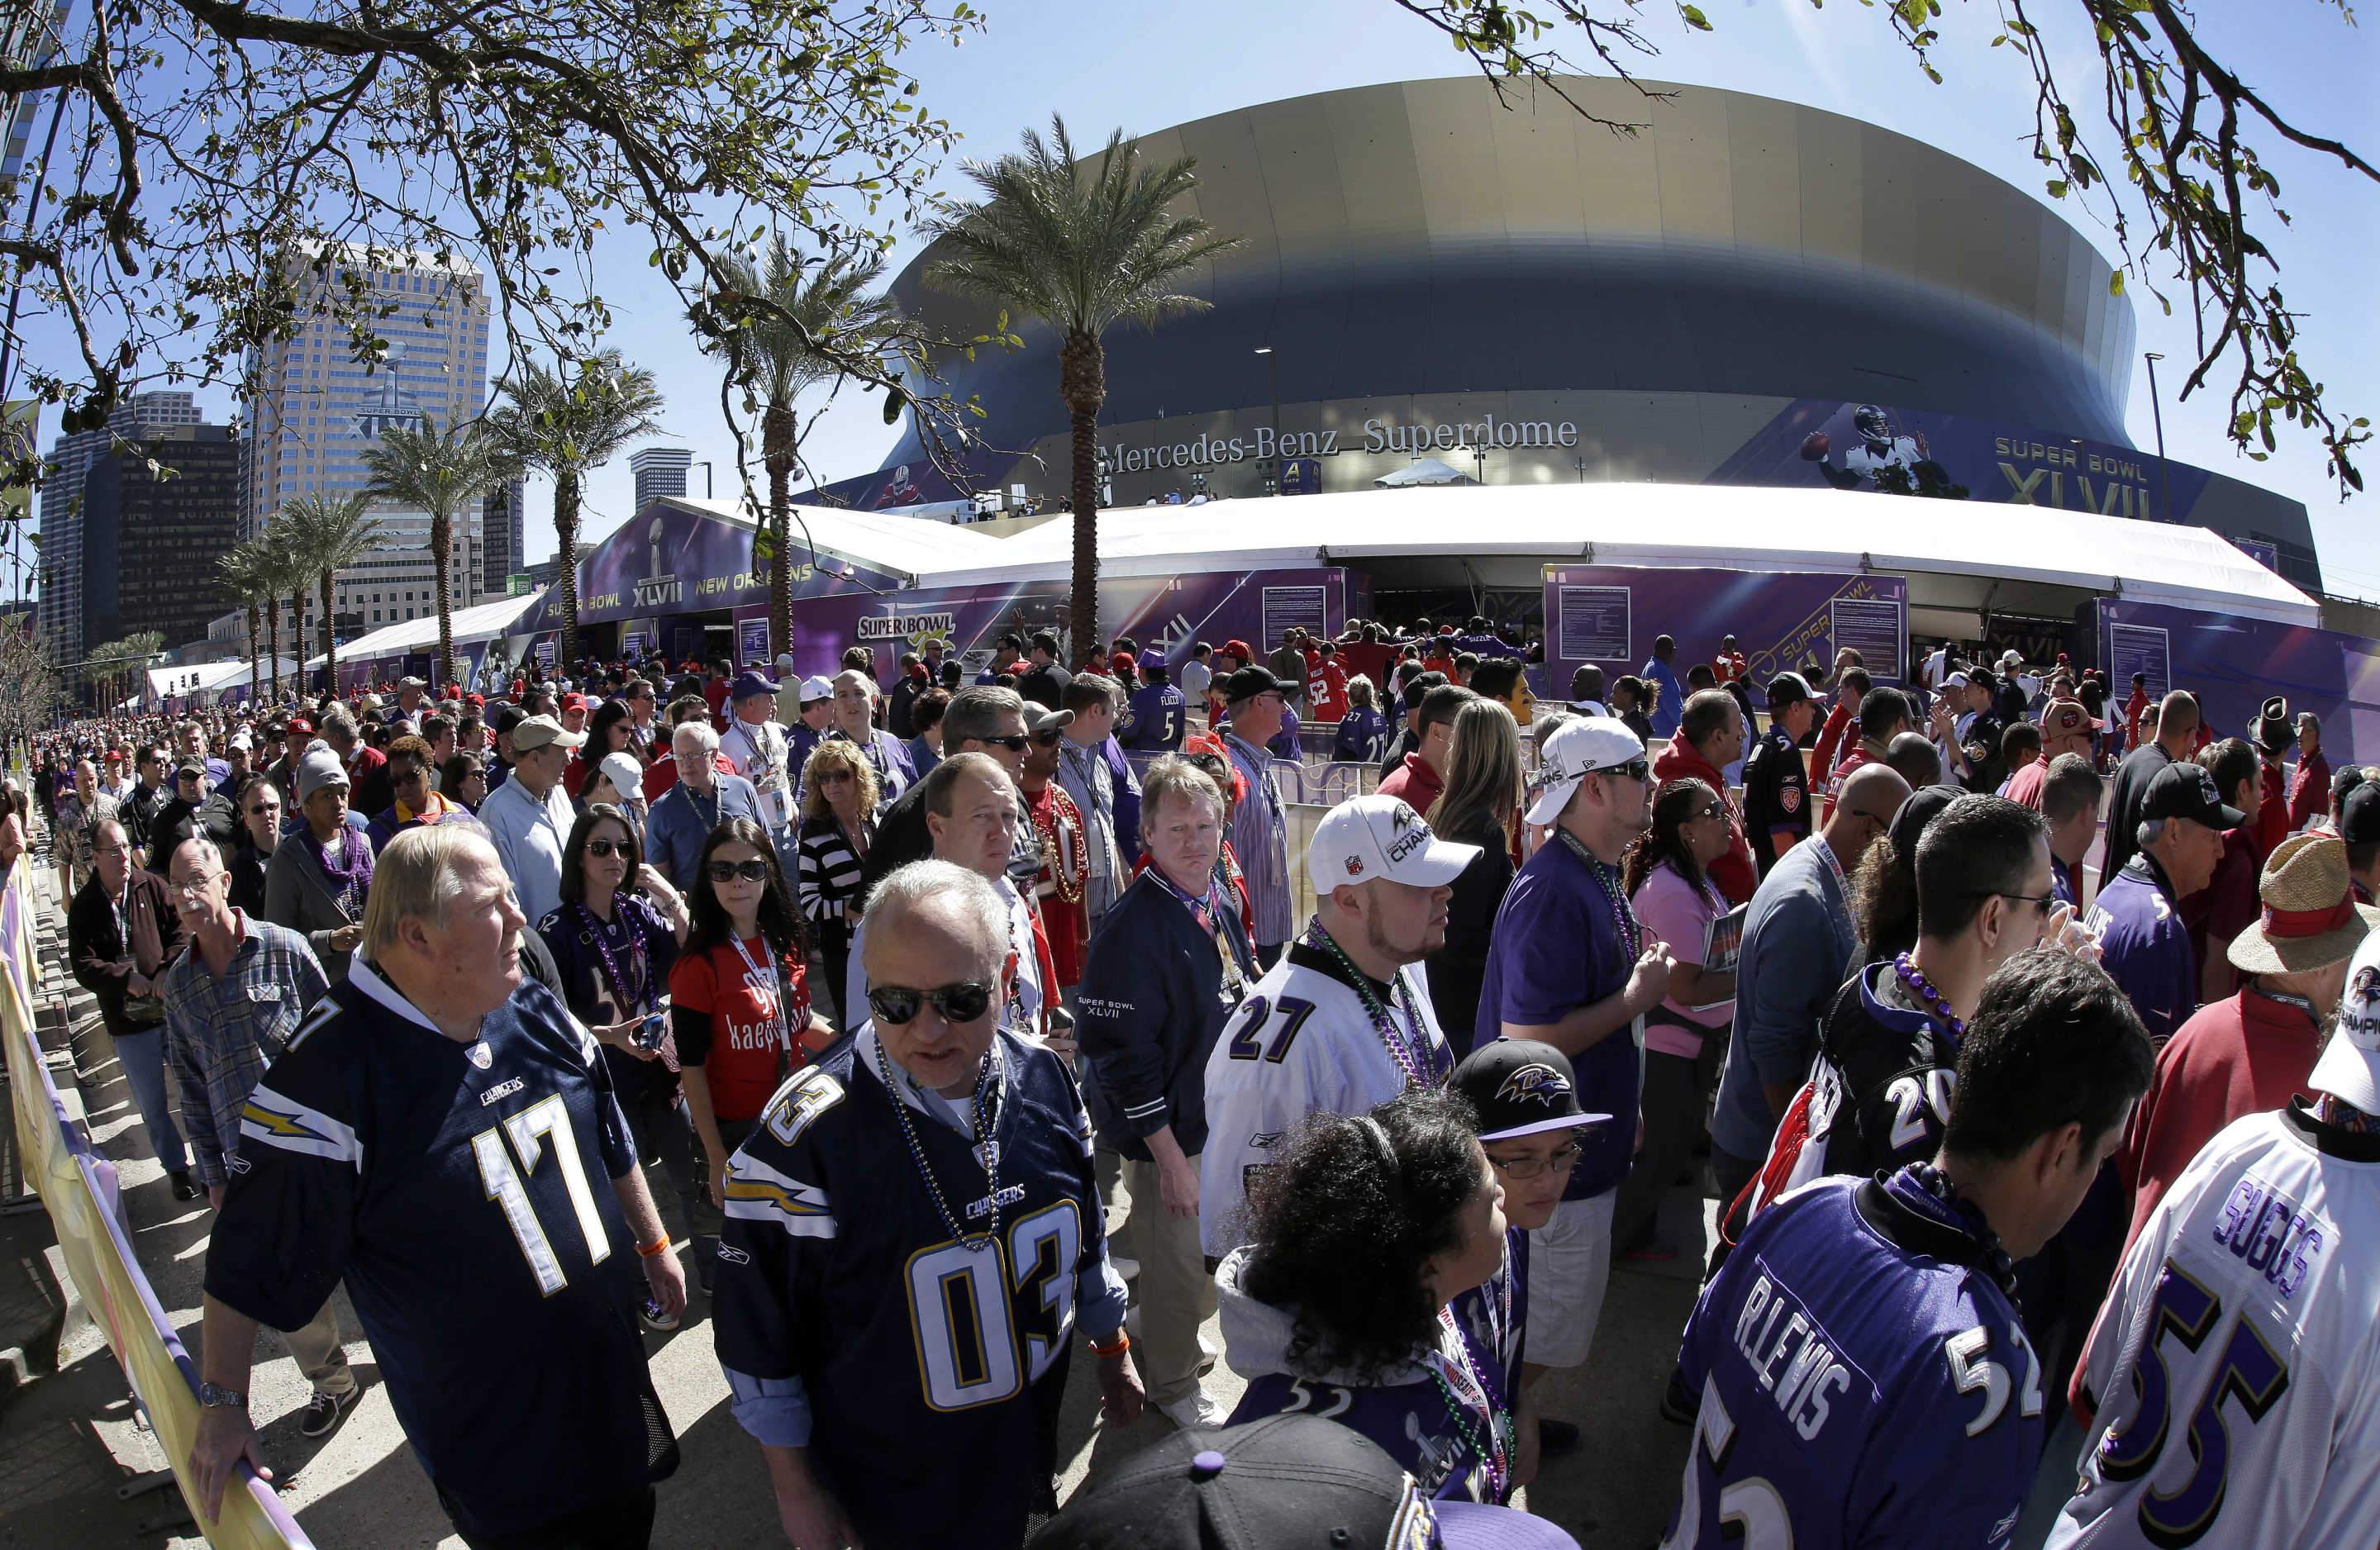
(1864, 1381)
(2232, 1368)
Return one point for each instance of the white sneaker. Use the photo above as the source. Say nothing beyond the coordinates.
(1195, 1412)
(1127, 1268)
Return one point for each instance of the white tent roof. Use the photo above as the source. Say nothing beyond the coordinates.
(1423, 470)
(480, 621)
(1723, 527)
(211, 676)
(901, 546)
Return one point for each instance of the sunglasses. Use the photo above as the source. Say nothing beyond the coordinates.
(753, 871)
(603, 849)
(1047, 739)
(963, 1003)
(1016, 744)
(1636, 770)
(833, 777)
(1712, 810)
(265, 810)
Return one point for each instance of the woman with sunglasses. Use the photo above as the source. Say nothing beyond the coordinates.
(615, 939)
(838, 827)
(256, 832)
(1480, 806)
(464, 781)
(1351, 1301)
(1668, 881)
(739, 1005)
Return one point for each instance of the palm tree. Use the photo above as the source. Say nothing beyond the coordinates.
(239, 571)
(1080, 248)
(777, 350)
(327, 533)
(444, 472)
(566, 423)
(101, 665)
(286, 576)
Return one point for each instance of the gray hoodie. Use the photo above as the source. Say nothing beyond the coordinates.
(1256, 1336)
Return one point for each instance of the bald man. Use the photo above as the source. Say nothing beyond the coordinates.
(2177, 731)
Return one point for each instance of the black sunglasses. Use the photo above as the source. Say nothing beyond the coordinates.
(1636, 770)
(963, 1003)
(1016, 744)
(1047, 739)
(753, 871)
(622, 848)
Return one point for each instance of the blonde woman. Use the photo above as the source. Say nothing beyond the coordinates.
(1480, 806)
(838, 827)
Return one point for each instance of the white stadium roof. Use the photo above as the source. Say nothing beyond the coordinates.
(1723, 527)
(897, 545)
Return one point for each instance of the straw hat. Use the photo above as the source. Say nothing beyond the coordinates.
(2311, 919)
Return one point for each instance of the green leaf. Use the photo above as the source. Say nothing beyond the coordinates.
(894, 402)
(1695, 17)
(2116, 283)
(2057, 188)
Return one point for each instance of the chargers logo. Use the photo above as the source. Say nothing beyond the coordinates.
(1535, 1083)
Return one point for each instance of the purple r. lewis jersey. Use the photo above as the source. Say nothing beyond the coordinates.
(1864, 1381)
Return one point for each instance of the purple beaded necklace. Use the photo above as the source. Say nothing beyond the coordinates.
(1937, 1006)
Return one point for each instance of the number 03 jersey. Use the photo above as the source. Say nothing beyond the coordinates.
(908, 1361)
(464, 1193)
(2233, 1367)
(1864, 1382)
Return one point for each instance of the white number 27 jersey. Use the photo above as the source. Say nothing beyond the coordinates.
(2234, 1364)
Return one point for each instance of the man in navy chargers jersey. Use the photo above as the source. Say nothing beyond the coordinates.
(895, 1298)
(1864, 1376)
(440, 1135)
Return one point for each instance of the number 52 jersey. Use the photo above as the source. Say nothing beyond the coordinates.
(2233, 1365)
(1863, 1382)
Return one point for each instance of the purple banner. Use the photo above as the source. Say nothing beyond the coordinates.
(667, 560)
(1910, 452)
(2233, 665)
(1610, 615)
(1169, 613)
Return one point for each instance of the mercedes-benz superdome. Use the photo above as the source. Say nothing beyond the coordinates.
(1437, 284)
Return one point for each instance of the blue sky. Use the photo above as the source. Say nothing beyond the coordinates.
(1143, 64)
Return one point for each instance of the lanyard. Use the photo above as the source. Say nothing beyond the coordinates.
(629, 1005)
(774, 1002)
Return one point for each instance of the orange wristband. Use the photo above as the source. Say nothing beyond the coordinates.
(654, 1250)
(1122, 1344)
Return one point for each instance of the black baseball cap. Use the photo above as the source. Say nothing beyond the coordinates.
(2358, 820)
(1248, 683)
(1925, 804)
(1519, 1086)
(1787, 688)
(2345, 779)
(2182, 790)
(1282, 1481)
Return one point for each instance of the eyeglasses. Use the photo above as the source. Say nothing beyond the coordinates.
(605, 849)
(1636, 770)
(833, 777)
(753, 871)
(963, 1003)
(1531, 1167)
(192, 887)
(1016, 744)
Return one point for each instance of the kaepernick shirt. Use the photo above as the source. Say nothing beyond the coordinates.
(726, 1020)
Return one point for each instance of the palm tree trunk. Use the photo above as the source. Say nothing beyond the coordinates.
(565, 560)
(297, 637)
(442, 540)
(272, 640)
(329, 643)
(255, 668)
(1082, 383)
(779, 438)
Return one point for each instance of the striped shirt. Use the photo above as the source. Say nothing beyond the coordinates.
(1261, 839)
(221, 1033)
(829, 870)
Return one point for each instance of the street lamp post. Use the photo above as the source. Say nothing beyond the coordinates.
(1272, 371)
(2156, 412)
(704, 465)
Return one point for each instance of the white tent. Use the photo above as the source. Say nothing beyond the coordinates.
(481, 622)
(1423, 470)
(206, 678)
(1722, 527)
(882, 540)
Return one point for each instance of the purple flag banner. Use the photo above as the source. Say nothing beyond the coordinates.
(1781, 620)
(2233, 665)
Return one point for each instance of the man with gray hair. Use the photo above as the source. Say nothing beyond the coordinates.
(983, 718)
(442, 1135)
(702, 799)
(913, 1232)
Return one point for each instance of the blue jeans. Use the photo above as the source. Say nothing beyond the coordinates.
(142, 1055)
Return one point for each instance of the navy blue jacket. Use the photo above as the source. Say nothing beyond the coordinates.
(1149, 1011)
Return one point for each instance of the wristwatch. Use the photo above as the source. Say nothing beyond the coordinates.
(213, 1396)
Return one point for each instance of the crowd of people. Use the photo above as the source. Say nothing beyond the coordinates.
(903, 992)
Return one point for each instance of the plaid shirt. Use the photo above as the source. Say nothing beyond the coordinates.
(220, 1035)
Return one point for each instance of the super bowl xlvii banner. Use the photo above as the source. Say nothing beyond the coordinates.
(2233, 665)
(667, 561)
(1610, 615)
(1880, 448)
(1170, 614)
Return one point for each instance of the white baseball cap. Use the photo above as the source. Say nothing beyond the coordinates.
(2349, 1067)
(1577, 749)
(1957, 681)
(816, 688)
(1381, 837)
(624, 773)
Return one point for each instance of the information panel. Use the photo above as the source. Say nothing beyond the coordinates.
(752, 643)
(2144, 648)
(1305, 608)
(1874, 628)
(1593, 623)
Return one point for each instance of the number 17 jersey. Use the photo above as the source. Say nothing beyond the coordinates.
(2233, 1368)
(1864, 1382)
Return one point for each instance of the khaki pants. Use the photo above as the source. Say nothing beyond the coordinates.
(1176, 1293)
(319, 1353)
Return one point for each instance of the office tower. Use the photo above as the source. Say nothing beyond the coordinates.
(60, 621)
(660, 471)
(150, 544)
(504, 536)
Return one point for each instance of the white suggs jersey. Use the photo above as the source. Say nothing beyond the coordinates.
(1302, 1043)
(758, 752)
(2234, 1362)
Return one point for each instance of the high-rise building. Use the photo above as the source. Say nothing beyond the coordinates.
(504, 536)
(660, 471)
(150, 543)
(318, 409)
(59, 621)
